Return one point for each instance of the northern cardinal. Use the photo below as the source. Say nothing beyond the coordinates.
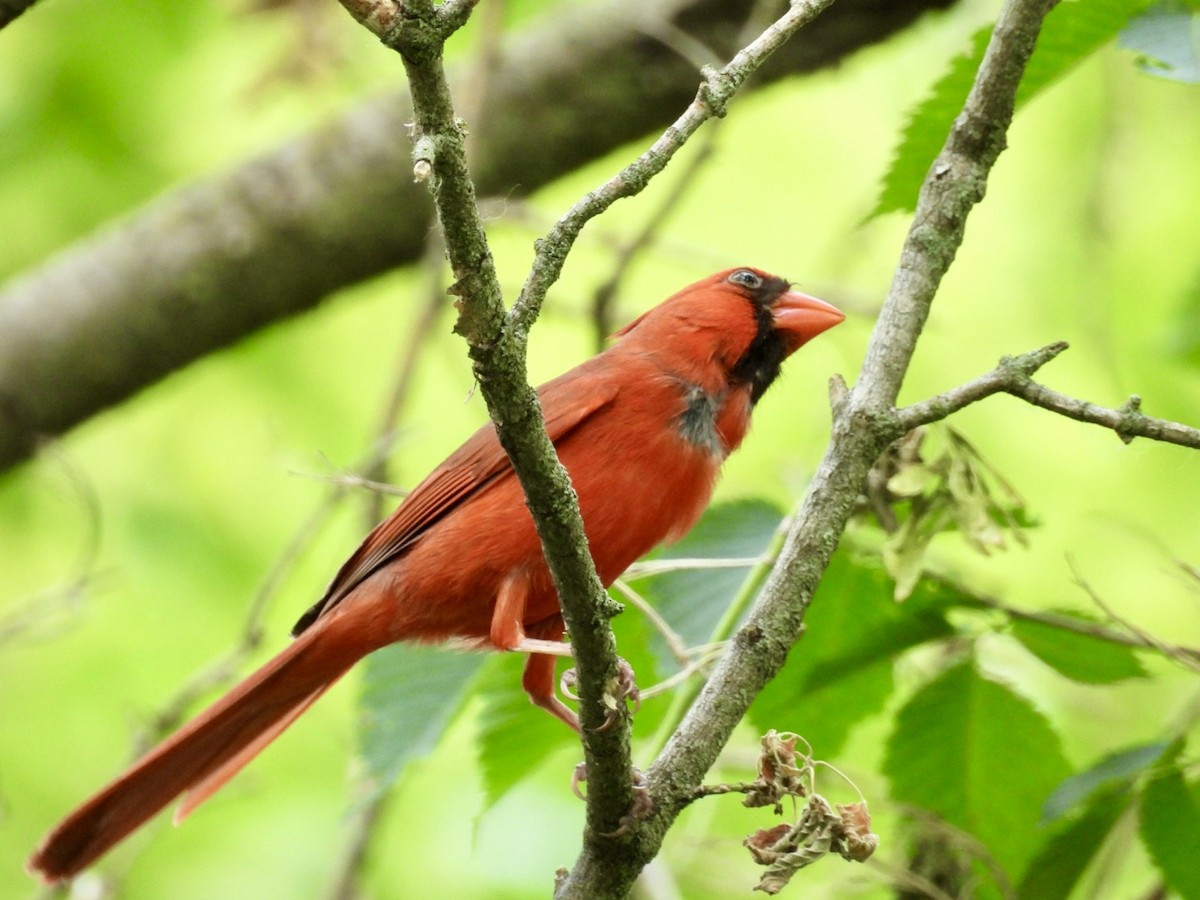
(642, 429)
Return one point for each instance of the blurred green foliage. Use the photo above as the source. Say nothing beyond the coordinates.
(131, 550)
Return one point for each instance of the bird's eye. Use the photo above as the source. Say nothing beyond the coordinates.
(745, 278)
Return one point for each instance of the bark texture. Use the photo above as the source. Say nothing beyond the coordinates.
(208, 264)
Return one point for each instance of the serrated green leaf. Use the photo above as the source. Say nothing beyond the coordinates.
(515, 737)
(1080, 657)
(1169, 815)
(1116, 770)
(841, 670)
(694, 601)
(979, 755)
(409, 696)
(1056, 869)
(1071, 33)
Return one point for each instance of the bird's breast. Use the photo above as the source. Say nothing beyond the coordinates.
(713, 422)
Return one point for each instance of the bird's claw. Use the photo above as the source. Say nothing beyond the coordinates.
(621, 688)
(638, 810)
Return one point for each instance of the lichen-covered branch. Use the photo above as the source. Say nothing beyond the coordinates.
(1014, 376)
(497, 349)
(715, 92)
(10, 9)
(201, 267)
(1010, 372)
(864, 424)
(1128, 421)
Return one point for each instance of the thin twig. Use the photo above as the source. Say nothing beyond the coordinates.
(354, 480)
(1186, 658)
(1128, 421)
(676, 644)
(648, 568)
(716, 90)
(1126, 636)
(1010, 372)
(628, 251)
(1013, 375)
(604, 297)
(706, 655)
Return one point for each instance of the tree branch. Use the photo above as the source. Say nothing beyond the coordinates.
(1128, 421)
(864, 424)
(497, 348)
(1014, 376)
(1010, 372)
(497, 345)
(715, 92)
(203, 266)
(10, 9)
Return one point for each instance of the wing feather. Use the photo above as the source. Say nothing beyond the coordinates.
(571, 398)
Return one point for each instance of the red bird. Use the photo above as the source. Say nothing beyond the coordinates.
(642, 429)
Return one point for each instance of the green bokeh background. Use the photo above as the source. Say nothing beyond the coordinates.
(1090, 233)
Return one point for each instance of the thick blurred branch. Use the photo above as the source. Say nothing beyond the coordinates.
(10, 9)
(208, 264)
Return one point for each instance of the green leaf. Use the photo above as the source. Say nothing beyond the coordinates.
(1071, 33)
(1165, 38)
(409, 696)
(1170, 829)
(923, 136)
(1116, 770)
(1056, 869)
(693, 601)
(1080, 657)
(515, 737)
(980, 756)
(841, 670)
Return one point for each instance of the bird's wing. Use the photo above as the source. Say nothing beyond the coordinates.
(567, 402)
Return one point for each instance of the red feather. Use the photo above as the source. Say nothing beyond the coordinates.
(642, 429)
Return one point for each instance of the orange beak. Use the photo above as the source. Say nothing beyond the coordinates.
(800, 318)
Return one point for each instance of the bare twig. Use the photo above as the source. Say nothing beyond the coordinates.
(1128, 421)
(1185, 656)
(676, 644)
(1126, 635)
(1008, 374)
(648, 568)
(1013, 376)
(354, 480)
(864, 422)
(717, 89)
(39, 611)
(604, 297)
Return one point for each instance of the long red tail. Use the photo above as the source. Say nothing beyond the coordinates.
(206, 752)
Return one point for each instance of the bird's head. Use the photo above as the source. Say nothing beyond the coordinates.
(743, 321)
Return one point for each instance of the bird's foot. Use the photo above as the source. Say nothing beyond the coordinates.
(639, 810)
(620, 689)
